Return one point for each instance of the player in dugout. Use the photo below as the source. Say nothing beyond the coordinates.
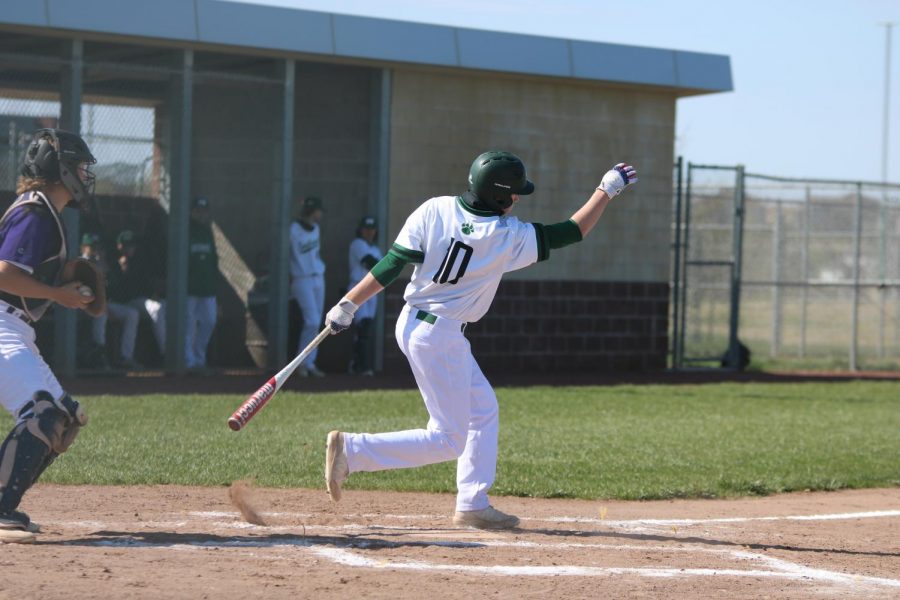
(461, 246)
(56, 174)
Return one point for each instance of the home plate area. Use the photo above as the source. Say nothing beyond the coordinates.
(169, 541)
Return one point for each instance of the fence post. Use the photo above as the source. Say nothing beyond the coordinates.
(279, 289)
(857, 250)
(179, 209)
(734, 356)
(380, 180)
(65, 319)
(776, 278)
(676, 269)
(805, 263)
(684, 275)
(882, 270)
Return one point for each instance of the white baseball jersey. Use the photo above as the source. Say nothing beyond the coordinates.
(359, 249)
(462, 254)
(305, 259)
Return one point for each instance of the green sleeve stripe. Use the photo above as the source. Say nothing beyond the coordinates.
(388, 268)
(543, 248)
(410, 255)
(560, 235)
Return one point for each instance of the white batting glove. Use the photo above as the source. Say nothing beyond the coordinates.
(340, 316)
(617, 179)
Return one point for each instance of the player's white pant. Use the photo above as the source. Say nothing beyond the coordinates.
(22, 369)
(128, 316)
(464, 416)
(309, 292)
(201, 320)
(156, 310)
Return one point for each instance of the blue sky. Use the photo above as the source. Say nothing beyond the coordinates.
(808, 74)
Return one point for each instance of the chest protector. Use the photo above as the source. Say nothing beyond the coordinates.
(48, 271)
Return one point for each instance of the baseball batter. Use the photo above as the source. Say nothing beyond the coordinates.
(461, 246)
(56, 174)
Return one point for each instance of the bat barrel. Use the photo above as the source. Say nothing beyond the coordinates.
(252, 405)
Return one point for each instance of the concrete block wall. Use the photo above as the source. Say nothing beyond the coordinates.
(556, 326)
(568, 134)
(599, 304)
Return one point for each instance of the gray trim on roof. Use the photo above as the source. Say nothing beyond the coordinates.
(303, 31)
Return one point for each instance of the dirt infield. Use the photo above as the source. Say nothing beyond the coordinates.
(189, 542)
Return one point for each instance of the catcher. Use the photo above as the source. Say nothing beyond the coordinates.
(33, 275)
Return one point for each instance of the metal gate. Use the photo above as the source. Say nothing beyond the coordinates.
(807, 269)
(708, 245)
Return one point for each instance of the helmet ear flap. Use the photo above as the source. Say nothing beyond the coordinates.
(42, 157)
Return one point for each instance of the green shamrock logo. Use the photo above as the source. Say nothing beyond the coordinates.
(467, 228)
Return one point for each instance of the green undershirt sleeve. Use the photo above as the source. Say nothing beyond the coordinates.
(562, 234)
(558, 235)
(543, 249)
(389, 268)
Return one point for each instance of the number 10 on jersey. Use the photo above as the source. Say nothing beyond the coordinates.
(450, 260)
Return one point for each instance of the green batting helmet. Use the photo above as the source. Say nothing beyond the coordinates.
(495, 176)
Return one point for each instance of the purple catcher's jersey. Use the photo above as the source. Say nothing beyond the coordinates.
(33, 238)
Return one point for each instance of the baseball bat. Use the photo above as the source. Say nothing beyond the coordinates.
(254, 403)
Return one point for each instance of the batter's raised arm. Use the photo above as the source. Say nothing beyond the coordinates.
(614, 181)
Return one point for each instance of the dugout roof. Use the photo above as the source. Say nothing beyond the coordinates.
(311, 33)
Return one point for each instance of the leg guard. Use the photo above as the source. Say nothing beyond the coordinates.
(21, 458)
(45, 430)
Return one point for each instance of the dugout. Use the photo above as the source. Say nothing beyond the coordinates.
(256, 107)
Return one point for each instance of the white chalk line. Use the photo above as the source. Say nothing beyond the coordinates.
(626, 523)
(780, 568)
(877, 514)
(629, 524)
(783, 569)
(346, 556)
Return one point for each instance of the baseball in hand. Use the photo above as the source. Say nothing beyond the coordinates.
(85, 291)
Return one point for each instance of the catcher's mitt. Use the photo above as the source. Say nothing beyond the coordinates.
(88, 274)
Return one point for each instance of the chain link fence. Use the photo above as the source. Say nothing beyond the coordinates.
(815, 280)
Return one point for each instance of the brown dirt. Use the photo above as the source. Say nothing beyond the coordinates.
(241, 495)
(190, 542)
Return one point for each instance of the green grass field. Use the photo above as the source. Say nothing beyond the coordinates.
(627, 442)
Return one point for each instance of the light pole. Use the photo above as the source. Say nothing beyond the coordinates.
(886, 115)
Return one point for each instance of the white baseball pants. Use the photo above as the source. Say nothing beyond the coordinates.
(201, 320)
(309, 292)
(156, 310)
(464, 416)
(23, 371)
(129, 317)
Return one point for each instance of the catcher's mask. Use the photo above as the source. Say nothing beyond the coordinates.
(61, 156)
(495, 176)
